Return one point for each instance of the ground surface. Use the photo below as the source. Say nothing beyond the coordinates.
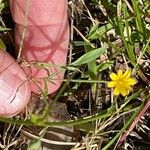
(120, 28)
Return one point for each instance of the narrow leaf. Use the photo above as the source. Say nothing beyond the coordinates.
(88, 57)
(35, 145)
(100, 31)
(104, 66)
(2, 45)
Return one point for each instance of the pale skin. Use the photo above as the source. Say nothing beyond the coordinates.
(14, 87)
(45, 41)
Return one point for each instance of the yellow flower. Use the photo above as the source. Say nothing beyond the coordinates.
(121, 82)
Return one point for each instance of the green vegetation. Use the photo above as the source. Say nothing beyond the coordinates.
(106, 36)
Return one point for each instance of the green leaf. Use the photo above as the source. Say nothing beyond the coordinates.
(88, 57)
(94, 34)
(104, 66)
(3, 5)
(93, 29)
(35, 145)
(92, 66)
(70, 68)
(86, 127)
(2, 45)
(4, 29)
(79, 43)
(35, 118)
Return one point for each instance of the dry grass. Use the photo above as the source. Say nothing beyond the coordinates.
(93, 24)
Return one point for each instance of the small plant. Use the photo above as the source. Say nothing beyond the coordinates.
(106, 85)
(122, 82)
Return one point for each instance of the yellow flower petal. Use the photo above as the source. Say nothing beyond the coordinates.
(124, 91)
(113, 76)
(128, 87)
(131, 81)
(127, 74)
(116, 91)
(111, 84)
(121, 82)
(119, 73)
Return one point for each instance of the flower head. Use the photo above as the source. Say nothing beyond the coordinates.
(121, 82)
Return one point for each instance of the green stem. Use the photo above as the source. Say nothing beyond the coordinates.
(104, 114)
(138, 20)
(130, 50)
(124, 128)
(85, 81)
